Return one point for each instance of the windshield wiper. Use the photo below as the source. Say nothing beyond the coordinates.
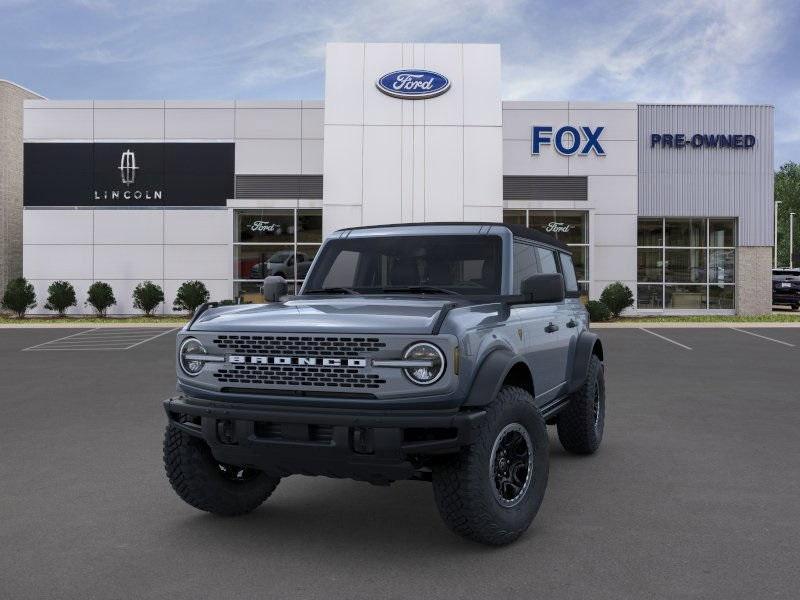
(419, 289)
(334, 290)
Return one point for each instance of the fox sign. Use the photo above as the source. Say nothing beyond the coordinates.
(568, 140)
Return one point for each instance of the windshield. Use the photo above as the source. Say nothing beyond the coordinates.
(462, 264)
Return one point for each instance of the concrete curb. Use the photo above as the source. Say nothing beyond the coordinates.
(684, 325)
(78, 325)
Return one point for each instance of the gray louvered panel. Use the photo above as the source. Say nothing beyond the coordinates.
(279, 186)
(700, 182)
(544, 188)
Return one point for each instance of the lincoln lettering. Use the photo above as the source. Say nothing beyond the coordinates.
(298, 361)
(128, 195)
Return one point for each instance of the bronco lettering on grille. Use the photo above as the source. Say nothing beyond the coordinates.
(304, 361)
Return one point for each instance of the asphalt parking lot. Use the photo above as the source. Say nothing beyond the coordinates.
(694, 494)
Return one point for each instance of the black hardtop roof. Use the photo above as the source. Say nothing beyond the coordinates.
(519, 231)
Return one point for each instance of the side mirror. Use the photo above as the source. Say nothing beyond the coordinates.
(274, 288)
(544, 287)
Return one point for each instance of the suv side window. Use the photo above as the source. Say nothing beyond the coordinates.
(526, 263)
(568, 269)
(547, 260)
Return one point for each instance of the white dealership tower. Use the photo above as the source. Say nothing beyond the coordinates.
(400, 161)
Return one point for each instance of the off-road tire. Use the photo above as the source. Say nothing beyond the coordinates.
(580, 428)
(201, 482)
(465, 489)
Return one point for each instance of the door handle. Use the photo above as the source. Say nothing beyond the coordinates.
(551, 328)
(572, 323)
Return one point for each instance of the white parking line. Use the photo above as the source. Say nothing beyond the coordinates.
(59, 339)
(99, 339)
(154, 337)
(763, 337)
(663, 337)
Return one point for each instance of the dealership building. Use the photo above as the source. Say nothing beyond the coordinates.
(674, 200)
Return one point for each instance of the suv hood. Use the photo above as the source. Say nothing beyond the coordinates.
(368, 315)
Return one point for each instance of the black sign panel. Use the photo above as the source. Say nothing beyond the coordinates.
(128, 174)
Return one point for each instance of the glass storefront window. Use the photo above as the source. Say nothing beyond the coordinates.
(721, 297)
(685, 266)
(570, 227)
(515, 217)
(721, 266)
(722, 233)
(274, 242)
(265, 226)
(649, 264)
(698, 268)
(650, 296)
(685, 296)
(650, 232)
(685, 232)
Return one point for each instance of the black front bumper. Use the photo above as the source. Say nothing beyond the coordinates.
(374, 445)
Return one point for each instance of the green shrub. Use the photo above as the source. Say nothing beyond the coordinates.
(617, 297)
(190, 295)
(100, 297)
(19, 297)
(60, 296)
(147, 296)
(597, 311)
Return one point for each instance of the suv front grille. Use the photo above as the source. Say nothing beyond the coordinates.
(299, 345)
(273, 375)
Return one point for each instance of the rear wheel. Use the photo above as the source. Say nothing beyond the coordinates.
(491, 491)
(209, 485)
(795, 306)
(581, 423)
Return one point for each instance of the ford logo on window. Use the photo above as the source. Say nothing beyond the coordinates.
(413, 84)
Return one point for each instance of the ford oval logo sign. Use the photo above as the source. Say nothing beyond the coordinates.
(413, 84)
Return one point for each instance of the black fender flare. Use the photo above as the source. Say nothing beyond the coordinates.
(490, 376)
(584, 348)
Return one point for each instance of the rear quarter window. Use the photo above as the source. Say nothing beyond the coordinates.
(568, 271)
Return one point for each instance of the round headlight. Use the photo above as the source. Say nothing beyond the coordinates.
(432, 358)
(187, 356)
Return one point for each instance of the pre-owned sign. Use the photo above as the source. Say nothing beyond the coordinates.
(702, 140)
(128, 174)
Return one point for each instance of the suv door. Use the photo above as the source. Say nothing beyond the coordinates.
(541, 326)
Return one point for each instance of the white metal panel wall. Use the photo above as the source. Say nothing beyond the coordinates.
(389, 160)
(698, 182)
(611, 194)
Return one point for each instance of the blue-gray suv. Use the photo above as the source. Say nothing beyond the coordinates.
(436, 352)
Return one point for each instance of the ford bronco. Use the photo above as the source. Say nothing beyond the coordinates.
(437, 352)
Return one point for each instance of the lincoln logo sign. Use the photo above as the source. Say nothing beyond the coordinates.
(298, 361)
(413, 84)
(127, 173)
(568, 140)
(127, 167)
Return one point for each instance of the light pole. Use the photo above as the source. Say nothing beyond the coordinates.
(777, 202)
(791, 238)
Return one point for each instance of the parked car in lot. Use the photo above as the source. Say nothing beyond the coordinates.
(786, 287)
(432, 352)
(281, 264)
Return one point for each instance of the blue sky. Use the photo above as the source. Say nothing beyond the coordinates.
(664, 50)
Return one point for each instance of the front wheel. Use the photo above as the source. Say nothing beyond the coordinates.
(209, 485)
(491, 491)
